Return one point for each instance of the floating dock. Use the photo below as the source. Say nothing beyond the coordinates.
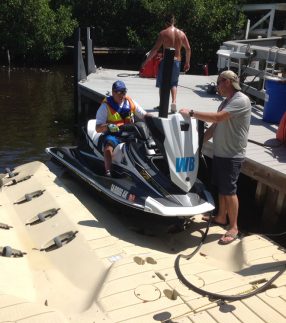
(66, 257)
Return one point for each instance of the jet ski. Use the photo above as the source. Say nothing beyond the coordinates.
(154, 169)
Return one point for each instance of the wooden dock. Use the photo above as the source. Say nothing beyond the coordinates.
(265, 160)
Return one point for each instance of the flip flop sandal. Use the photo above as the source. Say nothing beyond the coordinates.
(228, 235)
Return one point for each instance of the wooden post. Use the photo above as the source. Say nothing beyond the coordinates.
(90, 65)
(79, 75)
(260, 193)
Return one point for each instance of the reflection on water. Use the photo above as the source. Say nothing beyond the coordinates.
(36, 108)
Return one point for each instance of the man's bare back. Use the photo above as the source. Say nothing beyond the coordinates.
(173, 37)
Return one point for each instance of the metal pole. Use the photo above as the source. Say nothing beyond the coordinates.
(168, 60)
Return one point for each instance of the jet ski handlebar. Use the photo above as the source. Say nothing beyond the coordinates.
(139, 129)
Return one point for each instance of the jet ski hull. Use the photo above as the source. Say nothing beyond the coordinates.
(128, 190)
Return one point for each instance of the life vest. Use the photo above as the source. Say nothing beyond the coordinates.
(115, 117)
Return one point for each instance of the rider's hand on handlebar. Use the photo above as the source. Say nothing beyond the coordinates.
(113, 128)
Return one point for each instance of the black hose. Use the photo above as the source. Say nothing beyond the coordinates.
(265, 145)
(212, 295)
(200, 244)
(127, 74)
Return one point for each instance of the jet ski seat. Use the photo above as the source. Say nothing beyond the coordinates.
(91, 131)
(94, 138)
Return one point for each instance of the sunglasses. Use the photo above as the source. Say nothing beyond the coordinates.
(219, 81)
(121, 92)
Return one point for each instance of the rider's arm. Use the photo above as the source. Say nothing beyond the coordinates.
(101, 118)
(139, 111)
(102, 127)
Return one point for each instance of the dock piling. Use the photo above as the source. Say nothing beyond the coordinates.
(79, 74)
(90, 65)
(166, 82)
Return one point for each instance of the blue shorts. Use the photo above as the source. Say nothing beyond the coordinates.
(225, 172)
(175, 74)
(110, 140)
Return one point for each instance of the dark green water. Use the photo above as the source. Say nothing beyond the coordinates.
(36, 107)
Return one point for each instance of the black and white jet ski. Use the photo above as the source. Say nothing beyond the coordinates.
(154, 170)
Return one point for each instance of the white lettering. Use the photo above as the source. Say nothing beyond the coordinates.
(119, 191)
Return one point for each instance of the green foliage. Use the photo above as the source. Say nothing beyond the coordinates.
(32, 31)
(136, 23)
(37, 29)
(207, 24)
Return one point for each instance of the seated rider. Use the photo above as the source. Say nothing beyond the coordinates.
(115, 111)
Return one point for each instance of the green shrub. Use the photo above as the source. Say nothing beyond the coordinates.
(32, 31)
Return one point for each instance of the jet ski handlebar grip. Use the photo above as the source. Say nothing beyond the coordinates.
(112, 128)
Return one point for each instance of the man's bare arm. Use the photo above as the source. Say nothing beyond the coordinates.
(187, 47)
(154, 50)
(207, 116)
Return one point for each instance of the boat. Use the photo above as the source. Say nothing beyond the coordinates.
(154, 169)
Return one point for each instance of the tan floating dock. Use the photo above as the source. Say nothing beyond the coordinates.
(113, 267)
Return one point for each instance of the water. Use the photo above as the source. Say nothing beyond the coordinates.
(36, 108)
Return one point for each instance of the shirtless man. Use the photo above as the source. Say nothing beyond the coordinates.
(171, 37)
